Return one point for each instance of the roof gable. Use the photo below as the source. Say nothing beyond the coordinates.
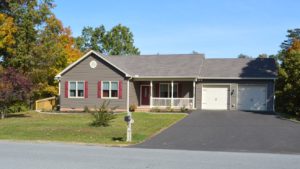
(85, 56)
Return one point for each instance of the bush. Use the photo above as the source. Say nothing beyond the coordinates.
(132, 108)
(169, 109)
(18, 107)
(155, 109)
(103, 115)
(184, 109)
(86, 109)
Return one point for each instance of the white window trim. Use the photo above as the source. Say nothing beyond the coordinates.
(169, 89)
(109, 90)
(76, 90)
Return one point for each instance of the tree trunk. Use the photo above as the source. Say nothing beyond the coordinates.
(2, 115)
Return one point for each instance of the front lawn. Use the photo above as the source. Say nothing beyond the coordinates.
(76, 128)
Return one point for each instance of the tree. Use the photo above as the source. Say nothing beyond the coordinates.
(41, 47)
(292, 35)
(28, 15)
(243, 56)
(117, 41)
(7, 31)
(14, 87)
(91, 39)
(55, 51)
(263, 55)
(288, 82)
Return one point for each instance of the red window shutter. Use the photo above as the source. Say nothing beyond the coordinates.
(179, 90)
(157, 89)
(99, 89)
(120, 89)
(86, 90)
(66, 89)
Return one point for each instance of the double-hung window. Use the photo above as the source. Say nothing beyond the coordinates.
(110, 89)
(76, 89)
(165, 90)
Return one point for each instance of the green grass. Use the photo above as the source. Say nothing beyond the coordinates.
(76, 128)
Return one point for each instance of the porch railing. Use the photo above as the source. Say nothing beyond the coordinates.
(173, 102)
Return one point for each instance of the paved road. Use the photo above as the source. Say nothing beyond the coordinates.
(235, 131)
(17, 155)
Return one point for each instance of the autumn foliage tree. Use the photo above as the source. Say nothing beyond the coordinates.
(288, 82)
(7, 32)
(15, 87)
(41, 46)
(36, 45)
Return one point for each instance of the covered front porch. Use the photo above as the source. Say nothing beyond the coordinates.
(166, 94)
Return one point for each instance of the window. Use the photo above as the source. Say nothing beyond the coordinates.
(110, 89)
(165, 90)
(76, 89)
(105, 91)
(114, 89)
(80, 89)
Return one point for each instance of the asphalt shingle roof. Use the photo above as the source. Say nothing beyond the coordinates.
(194, 65)
(240, 68)
(159, 65)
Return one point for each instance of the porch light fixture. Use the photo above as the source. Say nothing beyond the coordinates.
(232, 91)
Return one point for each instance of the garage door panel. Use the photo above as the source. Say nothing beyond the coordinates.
(252, 97)
(215, 97)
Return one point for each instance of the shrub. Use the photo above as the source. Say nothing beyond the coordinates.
(184, 109)
(132, 108)
(169, 109)
(18, 107)
(103, 115)
(155, 109)
(86, 109)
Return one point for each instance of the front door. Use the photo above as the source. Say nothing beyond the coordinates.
(145, 95)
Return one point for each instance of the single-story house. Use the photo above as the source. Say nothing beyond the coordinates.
(160, 81)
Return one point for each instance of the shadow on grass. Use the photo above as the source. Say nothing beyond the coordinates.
(118, 139)
(17, 116)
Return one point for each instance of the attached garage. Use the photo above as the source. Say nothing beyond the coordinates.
(252, 97)
(215, 97)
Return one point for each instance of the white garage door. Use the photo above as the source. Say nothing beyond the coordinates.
(215, 97)
(252, 97)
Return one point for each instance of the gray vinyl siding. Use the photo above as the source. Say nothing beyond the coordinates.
(83, 72)
(134, 93)
(234, 86)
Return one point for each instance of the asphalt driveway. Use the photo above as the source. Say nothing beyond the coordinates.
(230, 131)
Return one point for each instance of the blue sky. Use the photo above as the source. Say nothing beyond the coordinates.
(223, 28)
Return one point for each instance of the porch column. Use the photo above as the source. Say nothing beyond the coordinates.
(194, 93)
(172, 100)
(127, 93)
(151, 93)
